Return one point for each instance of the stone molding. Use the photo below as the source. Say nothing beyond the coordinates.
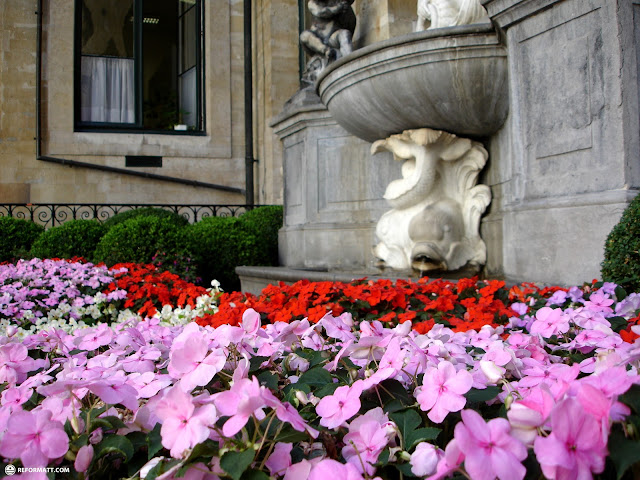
(506, 13)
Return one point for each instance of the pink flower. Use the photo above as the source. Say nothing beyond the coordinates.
(13, 397)
(424, 459)
(599, 302)
(449, 462)
(15, 362)
(328, 468)
(287, 413)
(549, 322)
(280, 459)
(336, 409)
(183, 425)
(368, 435)
(574, 448)
(489, 450)
(243, 400)
(526, 415)
(115, 390)
(442, 391)
(94, 338)
(34, 438)
(83, 458)
(191, 364)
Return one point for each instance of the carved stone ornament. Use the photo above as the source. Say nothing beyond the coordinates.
(330, 35)
(448, 13)
(437, 204)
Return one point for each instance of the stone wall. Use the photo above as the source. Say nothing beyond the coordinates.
(565, 164)
(216, 157)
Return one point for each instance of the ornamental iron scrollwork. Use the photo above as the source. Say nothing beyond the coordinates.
(53, 214)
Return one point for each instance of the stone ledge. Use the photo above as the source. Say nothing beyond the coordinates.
(254, 278)
(506, 13)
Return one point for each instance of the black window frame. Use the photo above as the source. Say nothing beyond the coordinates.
(137, 126)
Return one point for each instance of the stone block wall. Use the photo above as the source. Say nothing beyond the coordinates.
(566, 163)
(216, 157)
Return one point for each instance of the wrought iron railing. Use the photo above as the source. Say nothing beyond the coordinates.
(51, 214)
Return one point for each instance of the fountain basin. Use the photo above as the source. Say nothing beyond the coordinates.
(452, 79)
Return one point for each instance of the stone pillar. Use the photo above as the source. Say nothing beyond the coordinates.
(565, 164)
(333, 191)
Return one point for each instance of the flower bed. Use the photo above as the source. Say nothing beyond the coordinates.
(548, 388)
(468, 304)
(68, 294)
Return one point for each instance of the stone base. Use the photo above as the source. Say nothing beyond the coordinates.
(254, 279)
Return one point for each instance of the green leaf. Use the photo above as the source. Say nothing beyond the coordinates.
(391, 390)
(326, 390)
(315, 377)
(632, 398)
(115, 444)
(315, 357)
(269, 380)
(154, 440)
(405, 469)
(137, 439)
(255, 362)
(235, 463)
(289, 435)
(408, 422)
(617, 323)
(160, 468)
(420, 435)
(383, 458)
(623, 452)
(254, 475)
(207, 449)
(476, 395)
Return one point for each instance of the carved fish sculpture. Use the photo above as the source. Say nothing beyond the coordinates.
(448, 13)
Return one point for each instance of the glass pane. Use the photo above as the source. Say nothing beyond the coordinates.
(186, 5)
(107, 66)
(188, 38)
(188, 98)
(160, 64)
(107, 28)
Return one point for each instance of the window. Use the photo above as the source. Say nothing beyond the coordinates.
(138, 65)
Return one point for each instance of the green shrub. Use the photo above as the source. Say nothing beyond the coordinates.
(219, 245)
(139, 239)
(121, 217)
(16, 238)
(75, 238)
(621, 252)
(265, 222)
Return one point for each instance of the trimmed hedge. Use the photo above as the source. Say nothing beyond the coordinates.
(621, 263)
(265, 222)
(138, 239)
(75, 238)
(219, 245)
(16, 238)
(121, 217)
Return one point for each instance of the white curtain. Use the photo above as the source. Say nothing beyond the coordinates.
(107, 90)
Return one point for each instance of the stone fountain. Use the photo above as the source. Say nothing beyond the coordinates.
(385, 166)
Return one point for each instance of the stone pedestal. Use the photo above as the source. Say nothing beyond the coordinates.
(333, 191)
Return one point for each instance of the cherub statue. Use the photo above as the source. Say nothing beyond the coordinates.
(330, 34)
(448, 13)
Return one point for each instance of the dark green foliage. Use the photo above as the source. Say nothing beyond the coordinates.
(145, 212)
(139, 239)
(219, 245)
(75, 238)
(16, 238)
(265, 222)
(621, 252)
